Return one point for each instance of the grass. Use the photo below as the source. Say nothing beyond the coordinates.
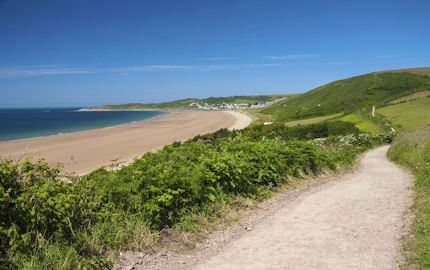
(313, 120)
(349, 95)
(362, 123)
(412, 150)
(414, 96)
(408, 115)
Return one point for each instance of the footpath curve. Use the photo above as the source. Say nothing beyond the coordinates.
(354, 221)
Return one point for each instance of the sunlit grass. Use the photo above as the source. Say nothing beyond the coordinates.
(408, 115)
(412, 150)
(362, 123)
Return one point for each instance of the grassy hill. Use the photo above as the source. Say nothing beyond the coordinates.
(349, 95)
(137, 106)
(185, 103)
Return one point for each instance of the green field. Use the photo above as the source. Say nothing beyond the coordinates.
(408, 115)
(362, 123)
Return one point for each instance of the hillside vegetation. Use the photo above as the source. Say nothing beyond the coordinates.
(137, 106)
(349, 95)
(185, 103)
(408, 115)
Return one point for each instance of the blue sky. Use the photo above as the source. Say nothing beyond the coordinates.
(80, 52)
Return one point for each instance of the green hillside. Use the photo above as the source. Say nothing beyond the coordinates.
(349, 95)
(137, 106)
(185, 103)
(408, 115)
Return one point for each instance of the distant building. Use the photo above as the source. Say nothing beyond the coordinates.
(227, 106)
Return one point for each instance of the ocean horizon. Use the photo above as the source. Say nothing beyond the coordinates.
(26, 123)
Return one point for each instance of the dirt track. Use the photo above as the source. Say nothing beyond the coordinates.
(351, 222)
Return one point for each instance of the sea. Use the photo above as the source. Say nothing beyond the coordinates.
(17, 124)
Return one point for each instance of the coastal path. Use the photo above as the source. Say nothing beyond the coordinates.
(354, 221)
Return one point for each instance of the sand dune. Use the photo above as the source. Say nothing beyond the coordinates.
(84, 151)
(242, 120)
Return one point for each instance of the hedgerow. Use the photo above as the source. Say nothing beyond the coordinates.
(70, 222)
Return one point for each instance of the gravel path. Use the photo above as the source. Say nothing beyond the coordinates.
(351, 222)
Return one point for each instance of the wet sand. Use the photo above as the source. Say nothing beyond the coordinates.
(84, 151)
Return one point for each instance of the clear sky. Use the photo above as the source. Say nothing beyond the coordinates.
(95, 52)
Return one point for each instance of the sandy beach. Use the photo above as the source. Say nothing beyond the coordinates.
(84, 151)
